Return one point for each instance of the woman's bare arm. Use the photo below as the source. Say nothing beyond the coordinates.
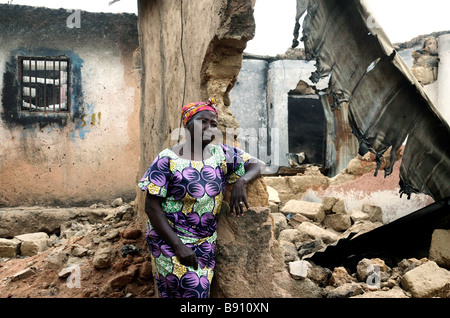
(239, 192)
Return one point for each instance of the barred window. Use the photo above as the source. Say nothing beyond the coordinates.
(44, 84)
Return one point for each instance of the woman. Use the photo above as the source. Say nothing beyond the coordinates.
(185, 185)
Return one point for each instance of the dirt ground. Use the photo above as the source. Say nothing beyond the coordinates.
(127, 276)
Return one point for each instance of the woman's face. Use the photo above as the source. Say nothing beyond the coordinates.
(203, 125)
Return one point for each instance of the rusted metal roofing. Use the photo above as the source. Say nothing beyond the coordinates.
(386, 104)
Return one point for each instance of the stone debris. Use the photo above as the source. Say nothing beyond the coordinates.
(338, 222)
(66, 272)
(313, 211)
(9, 248)
(103, 257)
(23, 274)
(374, 212)
(440, 248)
(299, 269)
(316, 231)
(357, 215)
(32, 243)
(273, 195)
(83, 250)
(427, 280)
(129, 249)
(346, 290)
(340, 276)
(339, 207)
(117, 202)
(90, 246)
(303, 228)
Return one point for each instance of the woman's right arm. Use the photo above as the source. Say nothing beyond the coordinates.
(154, 211)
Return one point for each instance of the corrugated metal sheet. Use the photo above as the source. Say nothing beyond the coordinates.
(386, 104)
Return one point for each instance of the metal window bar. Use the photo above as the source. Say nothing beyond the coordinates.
(49, 87)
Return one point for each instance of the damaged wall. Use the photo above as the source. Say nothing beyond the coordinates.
(88, 154)
(184, 61)
(192, 50)
(367, 73)
(267, 85)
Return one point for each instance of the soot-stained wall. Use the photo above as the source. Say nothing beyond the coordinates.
(90, 153)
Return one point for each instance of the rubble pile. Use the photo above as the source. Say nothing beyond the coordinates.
(303, 228)
(101, 251)
(96, 252)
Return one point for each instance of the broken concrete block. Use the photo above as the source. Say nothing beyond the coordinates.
(338, 222)
(345, 291)
(273, 194)
(103, 257)
(121, 279)
(310, 180)
(66, 272)
(395, 292)
(298, 219)
(117, 202)
(375, 213)
(290, 235)
(273, 207)
(440, 248)
(315, 231)
(357, 215)
(9, 247)
(27, 272)
(320, 275)
(57, 257)
(289, 250)
(328, 202)
(408, 264)
(279, 223)
(312, 210)
(427, 280)
(340, 276)
(78, 251)
(339, 207)
(299, 269)
(33, 243)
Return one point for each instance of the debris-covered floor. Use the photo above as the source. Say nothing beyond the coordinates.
(104, 257)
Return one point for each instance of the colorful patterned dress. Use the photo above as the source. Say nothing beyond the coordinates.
(193, 193)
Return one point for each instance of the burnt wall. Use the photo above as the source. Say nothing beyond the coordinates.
(89, 154)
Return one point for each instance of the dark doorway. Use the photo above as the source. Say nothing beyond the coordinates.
(307, 129)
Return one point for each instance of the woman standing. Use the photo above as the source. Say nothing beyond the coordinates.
(185, 185)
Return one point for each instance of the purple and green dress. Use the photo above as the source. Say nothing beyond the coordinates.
(193, 193)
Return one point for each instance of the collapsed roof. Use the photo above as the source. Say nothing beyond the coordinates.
(387, 105)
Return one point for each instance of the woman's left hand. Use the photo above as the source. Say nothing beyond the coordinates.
(238, 197)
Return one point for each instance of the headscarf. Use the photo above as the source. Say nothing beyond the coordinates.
(189, 110)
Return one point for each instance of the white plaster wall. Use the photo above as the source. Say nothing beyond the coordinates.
(283, 76)
(249, 105)
(74, 164)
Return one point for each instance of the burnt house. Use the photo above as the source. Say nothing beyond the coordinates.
(69, 106)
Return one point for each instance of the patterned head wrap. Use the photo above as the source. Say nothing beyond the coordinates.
(191, 109)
